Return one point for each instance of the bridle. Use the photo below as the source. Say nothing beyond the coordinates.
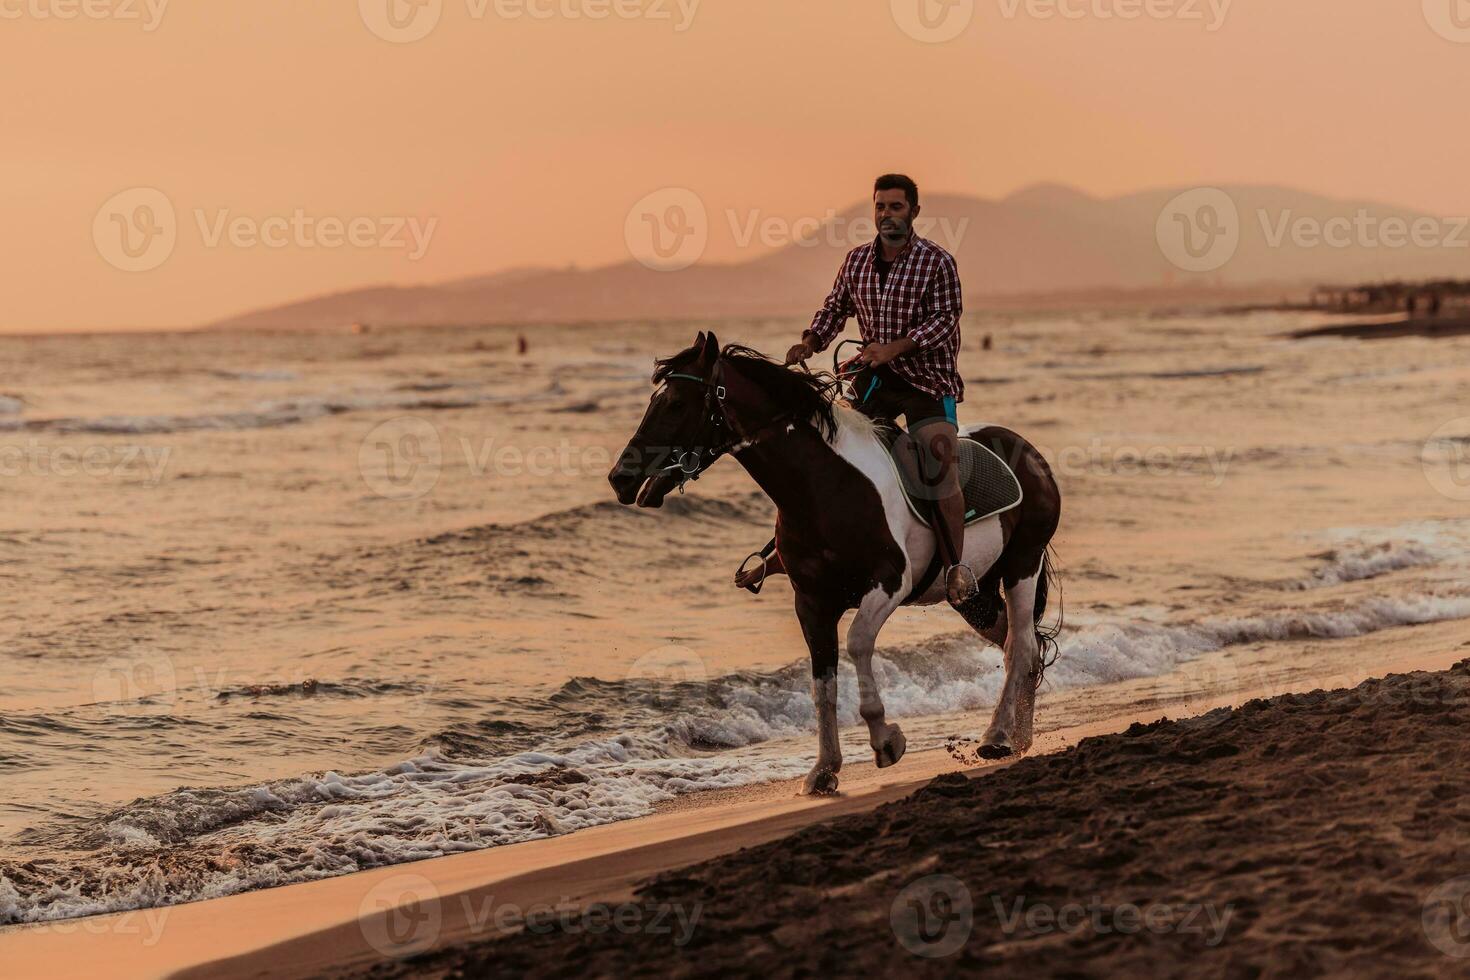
(692, 463)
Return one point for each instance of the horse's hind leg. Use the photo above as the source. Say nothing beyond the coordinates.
(1010, 730)
(887, 740)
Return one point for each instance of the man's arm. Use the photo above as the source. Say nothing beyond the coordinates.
(833, 315)
(945, 303)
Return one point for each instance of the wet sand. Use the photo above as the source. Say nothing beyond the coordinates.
(1320, 833)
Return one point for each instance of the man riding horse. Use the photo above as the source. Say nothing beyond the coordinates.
(848, 534)
(905, 291)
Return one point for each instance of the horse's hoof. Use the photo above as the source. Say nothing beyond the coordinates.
(891, 749)
(820, 782)
(996, 747)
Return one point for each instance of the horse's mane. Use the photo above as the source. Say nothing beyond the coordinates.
(808, 397)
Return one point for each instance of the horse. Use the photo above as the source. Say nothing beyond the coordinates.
(844, 531)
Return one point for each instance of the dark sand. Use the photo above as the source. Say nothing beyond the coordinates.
(1296, 836)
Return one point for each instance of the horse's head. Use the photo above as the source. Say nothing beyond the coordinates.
(679, 428)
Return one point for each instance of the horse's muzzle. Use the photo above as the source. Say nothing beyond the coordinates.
(633, 483)
(656, 489)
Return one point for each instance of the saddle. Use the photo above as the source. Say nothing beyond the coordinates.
(990, 485)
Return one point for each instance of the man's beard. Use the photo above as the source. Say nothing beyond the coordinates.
(894, 231)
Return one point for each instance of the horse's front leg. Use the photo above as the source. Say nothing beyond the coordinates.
(887, 740)
(819, 626)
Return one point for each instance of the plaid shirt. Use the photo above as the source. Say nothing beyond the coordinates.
(922, 302)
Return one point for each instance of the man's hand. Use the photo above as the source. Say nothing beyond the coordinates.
(877, 355)
(801, 352)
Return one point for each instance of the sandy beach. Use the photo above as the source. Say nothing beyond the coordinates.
(1247, 842)
(431, 918)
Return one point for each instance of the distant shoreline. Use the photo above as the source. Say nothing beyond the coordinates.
(1183, 301)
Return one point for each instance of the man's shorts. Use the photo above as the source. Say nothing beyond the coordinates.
(881, 393)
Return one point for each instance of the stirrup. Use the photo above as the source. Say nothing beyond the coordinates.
(966, 599)
(741, 571)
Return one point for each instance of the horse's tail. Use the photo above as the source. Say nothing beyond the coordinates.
(1046, 636)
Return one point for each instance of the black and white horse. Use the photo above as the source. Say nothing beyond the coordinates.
(844, 531)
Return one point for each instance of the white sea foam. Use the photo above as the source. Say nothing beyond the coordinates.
(1365, 553)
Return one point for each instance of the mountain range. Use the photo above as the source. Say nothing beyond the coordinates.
(1042, 244)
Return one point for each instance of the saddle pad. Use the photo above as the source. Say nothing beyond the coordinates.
(990, 486)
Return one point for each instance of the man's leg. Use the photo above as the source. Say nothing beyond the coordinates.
(938, 440)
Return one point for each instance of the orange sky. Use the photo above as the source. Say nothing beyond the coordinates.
(527, 138)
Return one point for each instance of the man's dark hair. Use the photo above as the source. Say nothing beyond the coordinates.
(898, 182)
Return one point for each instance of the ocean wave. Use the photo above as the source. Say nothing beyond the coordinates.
(1107, 653)
(658, 740)
(274, 414)
(1361, 554)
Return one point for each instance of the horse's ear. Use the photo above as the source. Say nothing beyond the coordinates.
(711, 350)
